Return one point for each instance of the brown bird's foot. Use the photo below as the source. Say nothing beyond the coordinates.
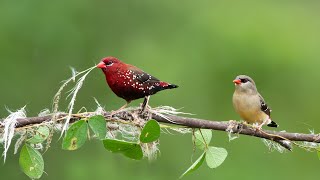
(257, 127)
(235, 123)
(232, 124)
(145, 104)
(245, 123)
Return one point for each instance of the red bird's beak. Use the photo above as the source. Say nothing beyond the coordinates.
(101, 65)
(237, 81)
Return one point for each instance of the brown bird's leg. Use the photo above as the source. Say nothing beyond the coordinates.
(255, 126)
(259, 127)
(144, 104)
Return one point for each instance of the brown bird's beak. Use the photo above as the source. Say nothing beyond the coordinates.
(237, 81)
(101, 65)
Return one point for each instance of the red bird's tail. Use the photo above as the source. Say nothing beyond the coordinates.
(165, 85)
(172, 86)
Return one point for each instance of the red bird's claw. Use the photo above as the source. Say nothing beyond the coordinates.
(114, 112)
(144, 109)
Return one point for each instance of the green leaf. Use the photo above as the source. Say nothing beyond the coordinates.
(318, 152)
(31, 162)
(76, 136)
(129, 149)
(203, 138)
(98, 126)
(195, 165)
(40, 135)
(150, 132)
(215, 156)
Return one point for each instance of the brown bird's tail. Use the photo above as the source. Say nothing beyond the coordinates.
(273, 124)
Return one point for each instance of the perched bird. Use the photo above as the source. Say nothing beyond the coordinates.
(249, 104)
(130, 82)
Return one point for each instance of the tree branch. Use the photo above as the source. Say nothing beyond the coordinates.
(283, 138)
(245, 130)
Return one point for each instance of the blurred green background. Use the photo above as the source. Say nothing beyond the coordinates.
(199, 45)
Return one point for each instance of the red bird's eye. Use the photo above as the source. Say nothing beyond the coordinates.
(109, 63)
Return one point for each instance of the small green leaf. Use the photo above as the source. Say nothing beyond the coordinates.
(40, 135)
(215, 156)
(98, 126)
(76, 136)
(150, 132)
(195, 165)
(203, 138)
(31, 162)
(129, 149)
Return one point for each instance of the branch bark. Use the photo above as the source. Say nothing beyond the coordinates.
(232, 126)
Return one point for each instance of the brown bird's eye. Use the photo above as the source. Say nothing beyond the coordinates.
(244, 80)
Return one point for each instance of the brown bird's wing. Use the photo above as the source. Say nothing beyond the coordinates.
(264, 106)
(142, 76)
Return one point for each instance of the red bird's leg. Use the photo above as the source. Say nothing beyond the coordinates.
(121, 108)
(145, 103)
(124, 106)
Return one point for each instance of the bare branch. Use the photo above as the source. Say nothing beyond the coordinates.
(222, 126)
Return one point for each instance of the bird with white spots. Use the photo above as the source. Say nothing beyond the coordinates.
(249, 104)
(129, 82)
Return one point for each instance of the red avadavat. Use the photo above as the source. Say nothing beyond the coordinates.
(130, 82)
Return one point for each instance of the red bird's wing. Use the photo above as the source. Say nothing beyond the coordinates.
(142, 76)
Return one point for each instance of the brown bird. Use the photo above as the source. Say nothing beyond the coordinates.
(130, 82)
(249, 104)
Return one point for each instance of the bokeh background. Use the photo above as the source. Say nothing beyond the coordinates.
(199, 45)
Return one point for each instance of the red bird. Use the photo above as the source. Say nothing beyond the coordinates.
(130, 82)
